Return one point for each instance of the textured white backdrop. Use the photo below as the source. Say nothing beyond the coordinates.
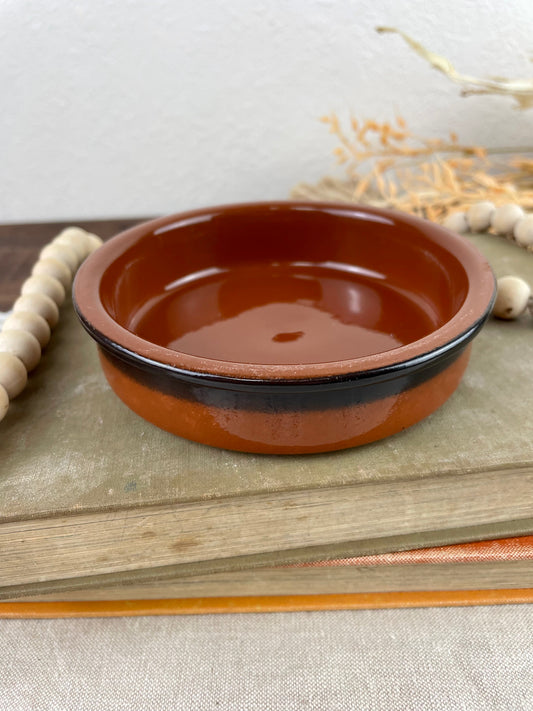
(112, 108)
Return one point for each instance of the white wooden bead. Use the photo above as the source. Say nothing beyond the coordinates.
(63, 253)
(512, 297)
(94, 241)
(523, 231)
(78, 234)
(63, 241)
(54, 268)
(13, 375)
(31, 322)
(456, 222)
(44, 284)
(505, 217)
(39, 304)
(479, 216)
(4, 402)
(77, 239)
(22, 344)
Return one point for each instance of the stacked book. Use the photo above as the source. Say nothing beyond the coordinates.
(98, 505)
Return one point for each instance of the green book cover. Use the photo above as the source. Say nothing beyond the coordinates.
(89, 488)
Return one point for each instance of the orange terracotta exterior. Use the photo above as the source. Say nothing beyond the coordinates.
(287, 432)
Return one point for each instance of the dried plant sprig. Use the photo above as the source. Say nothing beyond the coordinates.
(520, 89)
(389, 166)
(372, 139)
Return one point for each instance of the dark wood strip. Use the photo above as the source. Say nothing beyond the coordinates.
(20, 245)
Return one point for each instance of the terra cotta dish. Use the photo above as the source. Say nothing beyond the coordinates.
(284, 327)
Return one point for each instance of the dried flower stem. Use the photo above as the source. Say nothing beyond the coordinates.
(389, 166)
(519, 89)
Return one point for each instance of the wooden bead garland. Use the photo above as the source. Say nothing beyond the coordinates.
(4, 401)
(44, 284)
(514, 294)
(39, 304)
(523, 232)
(64, 238)
(22, 344)
(506, 220)
(13, 374)
(512, 299)
(54, 268)
(479, 216)
(27, 330)
(31, 322)
(61, 252)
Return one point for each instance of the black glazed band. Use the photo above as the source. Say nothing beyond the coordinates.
(270, 398)
(284, 396)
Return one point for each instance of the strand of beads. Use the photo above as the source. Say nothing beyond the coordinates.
(506, 220)
(514, 294)
(36, 312)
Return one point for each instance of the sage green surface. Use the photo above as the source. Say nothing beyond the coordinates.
(68, 444)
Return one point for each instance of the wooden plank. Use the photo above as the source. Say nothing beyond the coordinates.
(20, 245)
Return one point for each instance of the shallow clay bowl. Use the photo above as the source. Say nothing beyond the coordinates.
(284, 327)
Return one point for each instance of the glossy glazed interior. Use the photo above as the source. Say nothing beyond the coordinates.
(435, 277)
(287, 286)
(283, 312)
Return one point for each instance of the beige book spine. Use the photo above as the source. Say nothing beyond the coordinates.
(127, 540)
(315, 581)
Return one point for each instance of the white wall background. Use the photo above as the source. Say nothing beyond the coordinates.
(141, 107)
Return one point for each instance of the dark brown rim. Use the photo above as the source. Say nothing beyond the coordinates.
(475, 308)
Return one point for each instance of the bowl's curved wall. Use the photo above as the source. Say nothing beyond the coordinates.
(184, 310)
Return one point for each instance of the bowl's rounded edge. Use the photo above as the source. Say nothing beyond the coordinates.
(459, 330)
